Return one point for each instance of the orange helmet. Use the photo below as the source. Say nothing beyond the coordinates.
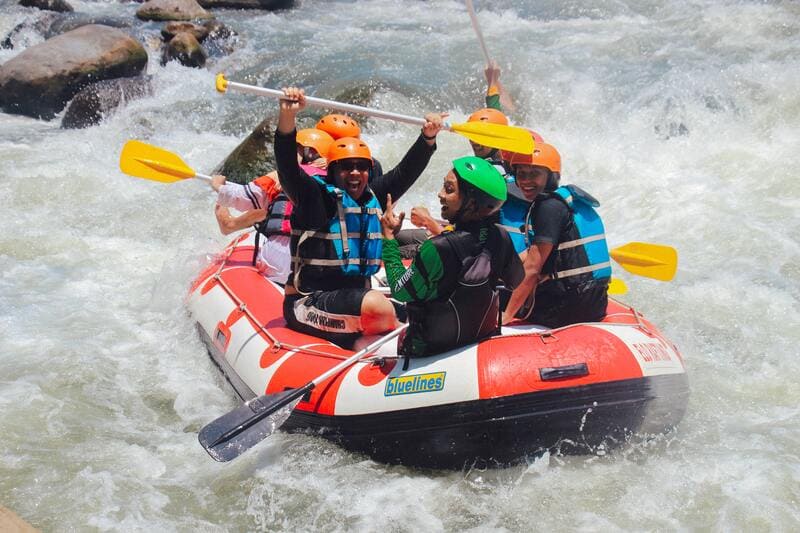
(544, 155)
(339, 126)
(488, 115)
(316, 139)
(348, 148)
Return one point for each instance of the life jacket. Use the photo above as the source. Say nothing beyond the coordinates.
(585, 255)
(470, 312)
(514, 214)
(279, 209)
(349, 245)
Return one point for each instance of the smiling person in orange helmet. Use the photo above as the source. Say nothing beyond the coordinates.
(567, 267)
(265, 206)
(336, 231)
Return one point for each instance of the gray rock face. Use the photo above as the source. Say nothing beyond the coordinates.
(253, 157)
(96, 101)
(48, 5)
(269, 5)
(186, 50)
(42, 79)
(172, 10)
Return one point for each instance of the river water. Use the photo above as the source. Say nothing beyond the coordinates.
(682, 118)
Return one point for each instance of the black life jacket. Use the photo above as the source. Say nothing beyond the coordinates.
(470, 311)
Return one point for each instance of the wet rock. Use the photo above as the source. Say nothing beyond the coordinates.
(221, 40)
(175, 27)
(253, 157)
(42, 79)
(72, 21)
(96, 101)
(38, 26)
(48, 5)
(186, 50)
(269, 5)
(172, 10)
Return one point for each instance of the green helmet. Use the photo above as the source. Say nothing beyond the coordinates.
(485, 183)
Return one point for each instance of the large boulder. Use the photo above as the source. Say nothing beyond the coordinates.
(186, 50)
(269, 5)
(96, 101)
(48, 5)
(172, 10)
(42, 79)
(253, 157)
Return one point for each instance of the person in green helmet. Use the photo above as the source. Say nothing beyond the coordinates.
(450, 287)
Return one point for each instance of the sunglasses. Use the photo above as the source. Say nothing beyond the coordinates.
(360, 165)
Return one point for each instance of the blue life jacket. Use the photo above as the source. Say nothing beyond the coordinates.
(586, 252)
(350, 244)
(514, 214)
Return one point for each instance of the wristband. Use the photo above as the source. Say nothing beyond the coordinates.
(428, 138)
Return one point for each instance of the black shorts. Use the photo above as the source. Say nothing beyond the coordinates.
(583, 303)
(333, 315)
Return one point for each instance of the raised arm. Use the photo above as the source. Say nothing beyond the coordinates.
(301, 188)
(398, 180)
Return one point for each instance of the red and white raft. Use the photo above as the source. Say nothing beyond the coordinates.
(575, 389)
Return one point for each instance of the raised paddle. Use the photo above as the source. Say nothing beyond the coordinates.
(499, 136)
(654, 261)
(230, 435)
(478, 31)
(505, 100)
(150, 162)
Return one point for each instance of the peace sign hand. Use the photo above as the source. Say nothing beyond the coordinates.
(391, 223)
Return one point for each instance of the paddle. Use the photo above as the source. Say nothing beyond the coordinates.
(230, 435)
(654, 261)
(617, 287)
(478, 31)
(150, 162)
(499, 136)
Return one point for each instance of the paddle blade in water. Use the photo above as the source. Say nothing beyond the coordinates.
(237, 431)
(499, 136)
(649, 260)
(150, 162)
(617, 287)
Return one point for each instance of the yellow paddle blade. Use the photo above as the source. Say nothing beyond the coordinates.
(649, 260)
(499, 136)
(617, 287)
(153, 163)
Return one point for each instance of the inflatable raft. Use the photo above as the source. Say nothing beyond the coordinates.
(577, 389)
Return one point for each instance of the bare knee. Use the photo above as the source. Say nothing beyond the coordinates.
(377, 314)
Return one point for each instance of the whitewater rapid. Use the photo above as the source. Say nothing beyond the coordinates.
(682, 118)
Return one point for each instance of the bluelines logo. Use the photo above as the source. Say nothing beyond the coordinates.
(431, 382)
